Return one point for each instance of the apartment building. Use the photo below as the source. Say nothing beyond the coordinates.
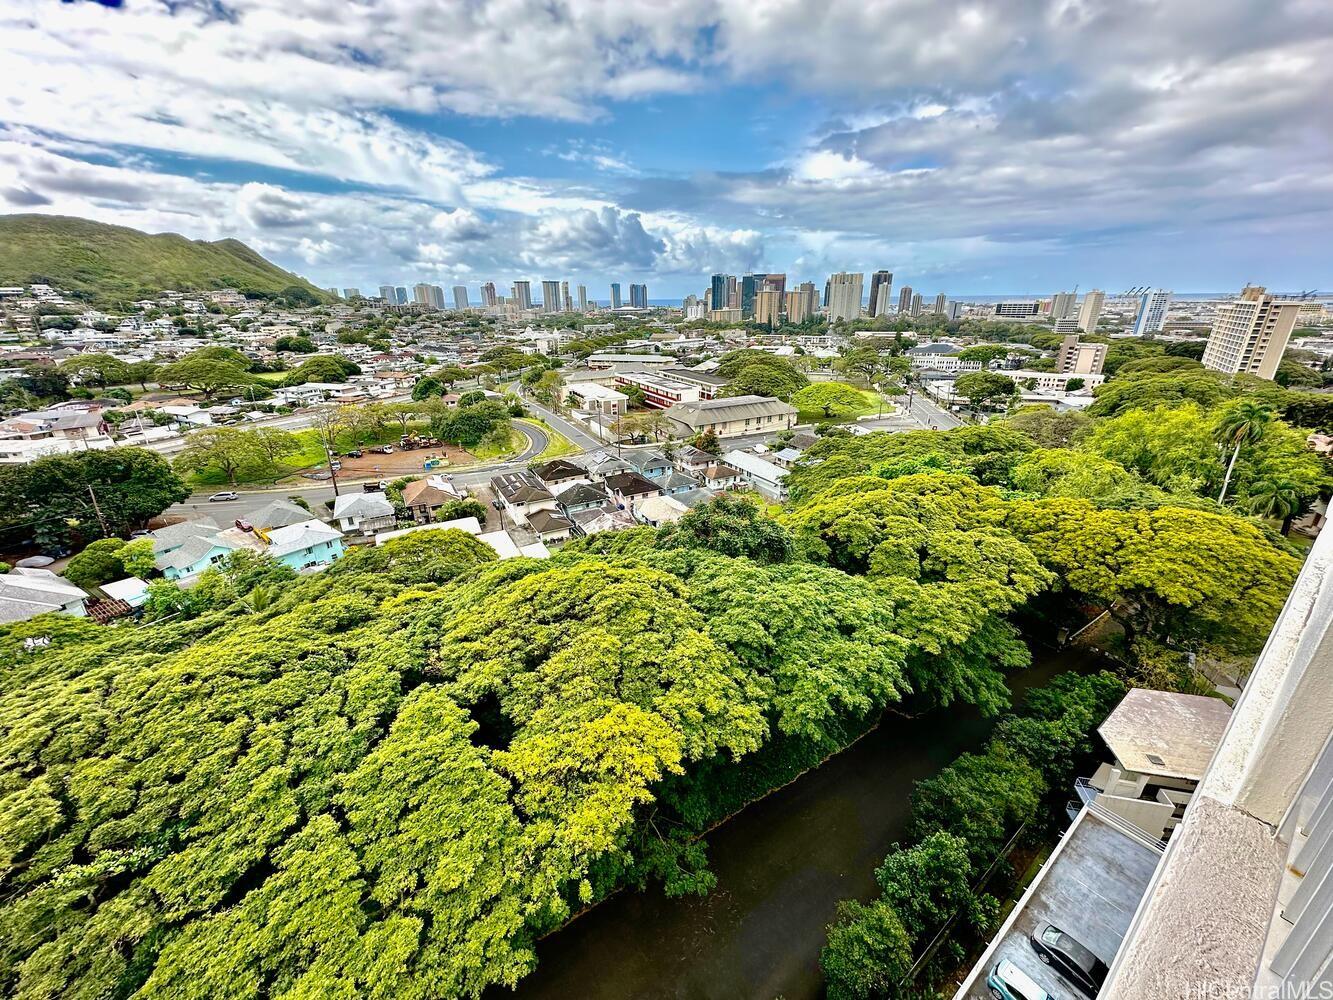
(1250, 333)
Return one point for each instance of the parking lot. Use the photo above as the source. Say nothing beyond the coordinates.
(1090, 888)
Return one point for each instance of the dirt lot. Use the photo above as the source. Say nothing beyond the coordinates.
(401, 463)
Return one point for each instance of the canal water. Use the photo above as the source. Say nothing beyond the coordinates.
(782, 864)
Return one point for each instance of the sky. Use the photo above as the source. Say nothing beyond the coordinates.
(979, 147)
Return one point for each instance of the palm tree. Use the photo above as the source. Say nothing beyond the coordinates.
(1276, 498)
(1242, 424)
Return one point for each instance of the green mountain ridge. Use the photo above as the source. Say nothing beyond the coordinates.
(105, 263)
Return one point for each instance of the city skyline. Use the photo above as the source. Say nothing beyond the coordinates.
(1034, 147)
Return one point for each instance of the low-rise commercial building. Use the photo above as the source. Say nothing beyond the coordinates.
(732, 417)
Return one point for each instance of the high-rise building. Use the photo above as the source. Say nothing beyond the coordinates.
(615, 295)
(800, 303)
(954, 310)
(565, 302)
(916, 304)
(776, 281)
(1091, 311)
(583, 298)
(717, 288)
(421, 295)
(334, 292)
(1062, 304)
(488, 296)
(460, 297)
(638, 296)
(522, 294)
(351, 293)
(750, 284)
(401, 294)
(387, 294)
(1078, 358)
(693, 307)
(733, 292)
(437, 296)
(905, 300)
(881, 287)
(940, 299)
(845, 296)
(768, 307)
(551, 301)
(1250, 333)
(1152, 311)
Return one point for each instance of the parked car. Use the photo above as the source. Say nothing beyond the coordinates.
(1008, 982)
(335, 465)
(1069, 958)
(354, 453)
(224, 495)
(384, 449)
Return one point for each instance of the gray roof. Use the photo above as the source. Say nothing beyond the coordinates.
(1164, 733)
(520, 487)
(711, 411)
(298, 537)
(641, 460)
(549, 520)
(583, 493)
(26, 592)
(362, 505)
(176, 534)
(278, 514)
(693, 498)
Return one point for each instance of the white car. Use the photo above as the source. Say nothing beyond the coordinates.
(1008, 982)
(225, 495)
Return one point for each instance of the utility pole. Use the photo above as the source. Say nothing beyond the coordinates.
(98, 511)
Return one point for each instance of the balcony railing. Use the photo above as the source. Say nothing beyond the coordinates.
(1085, 790)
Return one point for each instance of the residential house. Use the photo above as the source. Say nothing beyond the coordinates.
(38, 433)
(676, 482)
(691, 459)
(28, 592)
(762, 475)
(732, 416)
(304, 546)
(521, 493)
(131, 590)
(628, 487)
(550, 525)
(424, 497)
(601, 464)
(363, 513)
(721, 476)
(583, 496)
(657, 511)
(600, 519)
(278, 514)
(652, 464)
(693, 498)
(560, 471)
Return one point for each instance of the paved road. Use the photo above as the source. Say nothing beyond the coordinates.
(316, 493)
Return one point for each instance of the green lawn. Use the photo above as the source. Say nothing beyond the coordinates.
(557, 444)
(870, 404)
(489, 451)
(309, 455)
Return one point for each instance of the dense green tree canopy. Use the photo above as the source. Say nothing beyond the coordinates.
(49, 499)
